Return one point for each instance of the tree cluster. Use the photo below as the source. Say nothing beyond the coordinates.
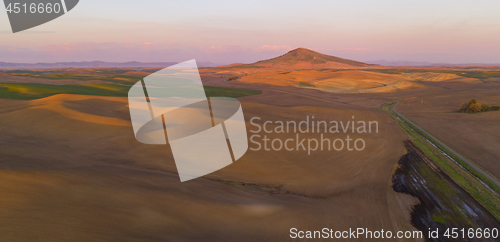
(474, 107)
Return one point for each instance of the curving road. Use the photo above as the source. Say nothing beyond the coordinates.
(476, 167)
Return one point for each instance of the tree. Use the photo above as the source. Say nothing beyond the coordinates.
(475, 107)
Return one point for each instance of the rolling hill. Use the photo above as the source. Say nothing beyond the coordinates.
(313, 57)
(302, 58)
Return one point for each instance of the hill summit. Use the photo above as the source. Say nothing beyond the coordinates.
(305, 55)
(302, 58)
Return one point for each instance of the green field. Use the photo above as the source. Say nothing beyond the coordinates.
(30, 91)
(305, 84)
(104, 75)
(213, 91)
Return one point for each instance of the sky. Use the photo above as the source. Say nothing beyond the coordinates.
(223, 32)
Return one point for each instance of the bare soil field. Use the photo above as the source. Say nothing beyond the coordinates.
(351, 81)
(72, 170)
(475, 135)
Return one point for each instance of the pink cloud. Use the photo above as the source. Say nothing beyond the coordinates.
(354, 50)
(83, 46)
(224, 49)
(266, 48)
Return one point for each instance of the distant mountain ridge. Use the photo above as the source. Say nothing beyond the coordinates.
(425, 64)
(400, 63)
(93, 64)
